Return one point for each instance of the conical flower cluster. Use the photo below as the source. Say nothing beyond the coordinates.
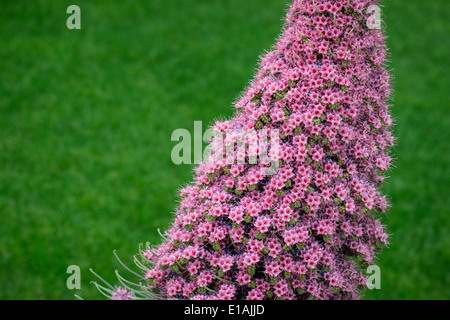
(308, 227)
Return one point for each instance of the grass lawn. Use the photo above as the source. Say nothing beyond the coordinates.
(86, 118)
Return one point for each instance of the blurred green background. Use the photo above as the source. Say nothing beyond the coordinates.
(86, 118)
